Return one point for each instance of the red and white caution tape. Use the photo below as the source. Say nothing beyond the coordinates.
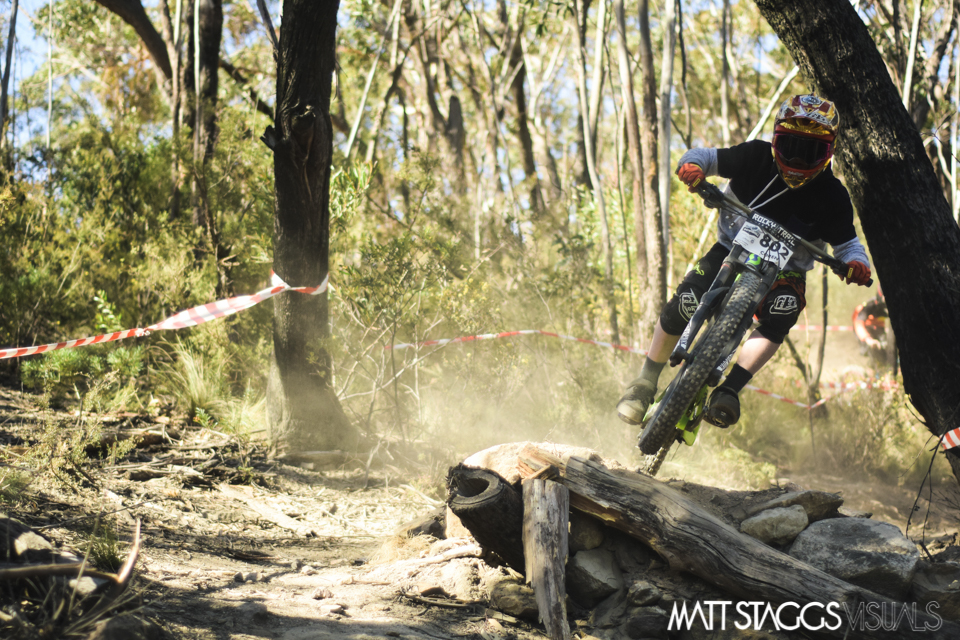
(951, 439)
(188, 318)
(776, 396)
(848, 386)
(818, 327)
(507, 334)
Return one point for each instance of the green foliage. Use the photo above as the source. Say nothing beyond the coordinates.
(104, 550)
(13, 484)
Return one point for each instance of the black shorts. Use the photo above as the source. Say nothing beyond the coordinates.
(778, 311)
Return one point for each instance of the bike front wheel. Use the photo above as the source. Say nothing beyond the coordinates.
(661, 429)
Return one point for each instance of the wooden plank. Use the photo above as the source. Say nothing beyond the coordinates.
(546, 517)
(692, 539)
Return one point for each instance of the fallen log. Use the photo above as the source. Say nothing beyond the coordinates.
(693, 540)
(546, 517)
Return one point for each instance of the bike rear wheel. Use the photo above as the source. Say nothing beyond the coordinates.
(661, 429)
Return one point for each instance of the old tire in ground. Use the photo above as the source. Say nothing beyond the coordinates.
(491, 509)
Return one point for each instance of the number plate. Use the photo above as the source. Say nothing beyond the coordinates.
(755, 240)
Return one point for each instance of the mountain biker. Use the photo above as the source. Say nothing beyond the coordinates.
(789, 181)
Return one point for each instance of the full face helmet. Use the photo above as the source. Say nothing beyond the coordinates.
(803, 135)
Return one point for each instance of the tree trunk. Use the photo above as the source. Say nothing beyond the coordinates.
(669, 22)
(302, 408)
(133, 13)
(597, 189)
(523, 124)
(656, 292)
(913, 238)
(5, 82)
(648, 308)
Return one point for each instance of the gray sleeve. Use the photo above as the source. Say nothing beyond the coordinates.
(851, 251)
(706, 158)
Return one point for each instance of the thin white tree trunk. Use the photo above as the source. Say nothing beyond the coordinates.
(914, 31)
(669, 22)
(595, 179)
(49, 70)
(725, 75)
(394, 15)
(597, 82)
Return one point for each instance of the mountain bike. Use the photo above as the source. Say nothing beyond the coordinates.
(761, 250)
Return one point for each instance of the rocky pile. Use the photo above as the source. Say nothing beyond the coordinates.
(619, 587)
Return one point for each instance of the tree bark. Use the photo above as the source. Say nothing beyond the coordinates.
(302, 408)
(5, 81)
(133, 13)
(648, 308)
(907, 222)
(652, 221)
(523, 124)
(597, 188)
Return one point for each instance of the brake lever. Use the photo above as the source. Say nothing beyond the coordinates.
(712, 195)
(842, 270)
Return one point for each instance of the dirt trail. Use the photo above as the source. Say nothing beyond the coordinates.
(236, 547)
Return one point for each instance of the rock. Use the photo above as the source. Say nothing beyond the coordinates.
(609, 613)
(510, 596)
(777, 526)
(645, 622)
(817, 504)
(586, 532)
(642, 594)
(592, 576)
(427, 524)
(869, 554)
(321, 593)
(938, 582)
(126, 627)
(238, 576)
(19, 543)
(847, 512)
(331, 609)
(87, 586)
(950, 554)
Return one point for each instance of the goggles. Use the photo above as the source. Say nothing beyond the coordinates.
(801, 153)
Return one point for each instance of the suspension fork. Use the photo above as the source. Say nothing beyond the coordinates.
(709, 303)
(768, 275)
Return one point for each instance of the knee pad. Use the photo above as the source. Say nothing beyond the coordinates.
(778, 312)
(679, 309)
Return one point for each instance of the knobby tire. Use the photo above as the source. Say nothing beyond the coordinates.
(661, 430)
(653, 465)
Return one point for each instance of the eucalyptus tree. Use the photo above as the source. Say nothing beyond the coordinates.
(908, 224)
(302, 407)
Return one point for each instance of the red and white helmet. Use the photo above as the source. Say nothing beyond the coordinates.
(803, 135)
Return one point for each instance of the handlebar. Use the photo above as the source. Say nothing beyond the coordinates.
(714, 198)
